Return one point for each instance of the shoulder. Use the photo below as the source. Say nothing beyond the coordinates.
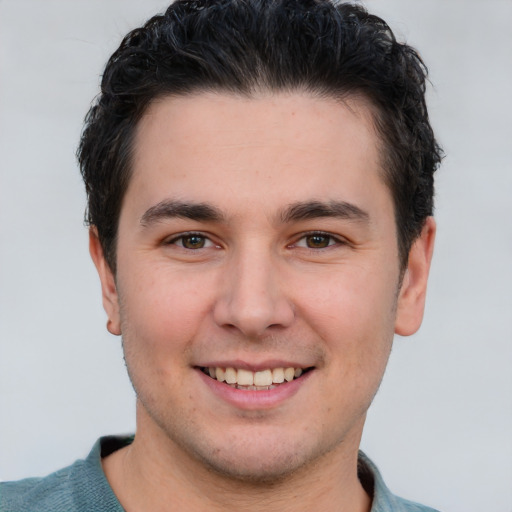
(53, 492)
(411, 506)
(81, 487)
(383, 499)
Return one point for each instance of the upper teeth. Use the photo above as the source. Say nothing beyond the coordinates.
(247, 378)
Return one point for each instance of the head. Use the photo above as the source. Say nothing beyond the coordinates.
(336, 51)
(259, 175)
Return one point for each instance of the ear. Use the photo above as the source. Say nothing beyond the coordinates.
(108, 283)
(411, 299)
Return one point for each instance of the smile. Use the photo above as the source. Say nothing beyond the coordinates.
(263, 380)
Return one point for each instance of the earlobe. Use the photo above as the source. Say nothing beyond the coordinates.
(108, 284)
(411, 300)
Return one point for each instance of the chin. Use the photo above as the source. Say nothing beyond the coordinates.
(263, 461)
(254, 470)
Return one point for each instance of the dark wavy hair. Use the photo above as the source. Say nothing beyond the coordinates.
(330, 49)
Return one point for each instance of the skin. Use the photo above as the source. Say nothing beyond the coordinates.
(260, 286)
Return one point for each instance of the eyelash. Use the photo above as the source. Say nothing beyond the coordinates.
(331, 239)
(189, 234)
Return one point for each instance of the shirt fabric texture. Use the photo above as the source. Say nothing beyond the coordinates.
(83, 487)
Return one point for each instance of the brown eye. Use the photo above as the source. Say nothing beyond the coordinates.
(193, 241)
(318, 241)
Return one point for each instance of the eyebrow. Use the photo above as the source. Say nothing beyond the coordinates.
(168, 209)
(317, 209)
(204, 212)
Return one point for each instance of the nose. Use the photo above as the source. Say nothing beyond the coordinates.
(252, 297)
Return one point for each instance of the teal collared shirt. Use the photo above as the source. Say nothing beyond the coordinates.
(83, 487)
(383, 499)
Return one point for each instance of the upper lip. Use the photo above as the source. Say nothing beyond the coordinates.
(253, 366)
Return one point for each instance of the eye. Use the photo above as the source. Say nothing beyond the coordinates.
(192, 241)
(317, 241)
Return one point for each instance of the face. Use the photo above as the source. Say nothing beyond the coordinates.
(257, 287)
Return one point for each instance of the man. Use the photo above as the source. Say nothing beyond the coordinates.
(260, 183)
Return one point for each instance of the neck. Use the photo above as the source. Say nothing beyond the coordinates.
(155, 474)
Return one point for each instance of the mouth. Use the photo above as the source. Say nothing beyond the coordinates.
(248, 380)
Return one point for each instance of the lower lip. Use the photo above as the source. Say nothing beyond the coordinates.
(254, 400)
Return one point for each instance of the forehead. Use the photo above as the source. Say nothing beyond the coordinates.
(273, 149)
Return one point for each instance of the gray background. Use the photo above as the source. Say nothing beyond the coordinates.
(440, 427)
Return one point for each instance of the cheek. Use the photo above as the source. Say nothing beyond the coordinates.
(353, 313)
(349, 300)
(161, 312)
